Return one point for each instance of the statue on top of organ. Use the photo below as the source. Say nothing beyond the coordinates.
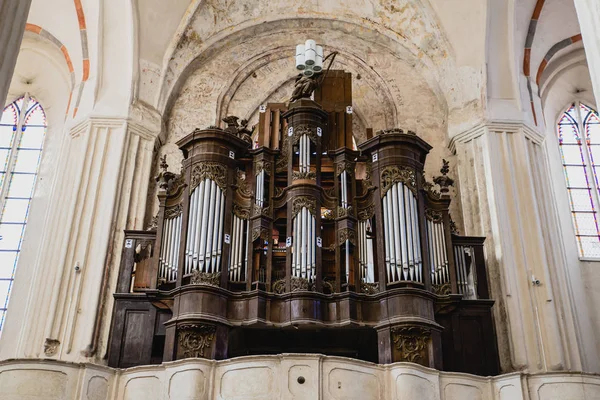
(290, 226)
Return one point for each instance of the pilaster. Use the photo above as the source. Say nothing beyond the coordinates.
(101, 188)
(505, 196)
(588, 13)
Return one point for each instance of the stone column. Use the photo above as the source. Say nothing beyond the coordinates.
(505, 195)
(102, 190)
(588, 13)
(13, 16)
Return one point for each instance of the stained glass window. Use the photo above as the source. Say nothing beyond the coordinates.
(22, 130)
(579, 142)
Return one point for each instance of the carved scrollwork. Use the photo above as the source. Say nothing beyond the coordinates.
(394, 130)
(391, 175)
(453, 227)
(194, 339)
(278, 191)
(208, 170)
(346, 234)
(173, 212)
(347, 166)
(369, 288)
(258, 210)
(262, 165)
(329, 284)
(297, 175)
(279, 286)
(282, 162)
(330, 192)
(443, 289)
(300, 284)
(241, 212)
(260, 232)
(368, 181)
(301, 202)
(344, 212)
(434, 216)
(153, 224)
(205, 278)
(411, 343)
(304, 130)
(366, 213)
(243, 186)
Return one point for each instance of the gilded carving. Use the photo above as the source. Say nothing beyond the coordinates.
(304, 130)
(344, 212)
(443, 289)
(260, 232)
(205, 278)
(300, 284)
(243, 186)
(369, 288)
(51, 347)
(391, 175)
(194, 339)
(279, 286)
(208, 170)
(297, 175)
(301, 202)
(434, 216)
(173, 212)
(327, 214)
(346, 234)
(258, 210)
(347, 166)
(241, 212)
(263, 165)
(366, 213)
(411, 343)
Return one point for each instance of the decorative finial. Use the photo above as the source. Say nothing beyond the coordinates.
(444, 181)
(164, 176)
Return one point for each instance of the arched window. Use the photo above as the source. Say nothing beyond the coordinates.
(579, 142)
(22, 130)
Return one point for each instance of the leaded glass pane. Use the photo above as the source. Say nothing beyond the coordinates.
(581, 200)
(568, 133)
(589, 246)
(15, 210)
(32, 138)
(586, 223)
(21, 185)
(572, 154)
(3, 159)
(27, 160)
(576, 177)
(4, 287)
(7, 133)
(10, 237)
(7, 263)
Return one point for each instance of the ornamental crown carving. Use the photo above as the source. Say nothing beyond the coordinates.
(347, 166)
(391, 175)
(301, 202)
(297, 175)
(444, 180)
(208, 170)
(263, 165)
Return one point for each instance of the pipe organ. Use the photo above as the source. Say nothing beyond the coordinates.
(288, 238)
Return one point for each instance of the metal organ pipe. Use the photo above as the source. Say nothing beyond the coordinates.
(304, 252)
(401, 230)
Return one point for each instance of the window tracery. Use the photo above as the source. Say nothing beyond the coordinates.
(579, 143)
(22, 131)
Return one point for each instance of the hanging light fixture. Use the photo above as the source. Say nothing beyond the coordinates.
(309, 58)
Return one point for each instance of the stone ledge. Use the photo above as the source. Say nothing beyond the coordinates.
(279, 377)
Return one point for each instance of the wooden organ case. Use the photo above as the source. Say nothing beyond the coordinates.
(292, 240)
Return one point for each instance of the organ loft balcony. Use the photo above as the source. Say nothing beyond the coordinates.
(287, 237)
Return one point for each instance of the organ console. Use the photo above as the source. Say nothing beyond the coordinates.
(289, 238)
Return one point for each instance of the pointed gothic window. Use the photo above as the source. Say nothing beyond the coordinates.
(579, 142)
(22, 130)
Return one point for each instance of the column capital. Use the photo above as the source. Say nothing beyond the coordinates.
(145, 120)
(492, 126)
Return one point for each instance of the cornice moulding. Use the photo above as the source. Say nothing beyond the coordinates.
(496, 127)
